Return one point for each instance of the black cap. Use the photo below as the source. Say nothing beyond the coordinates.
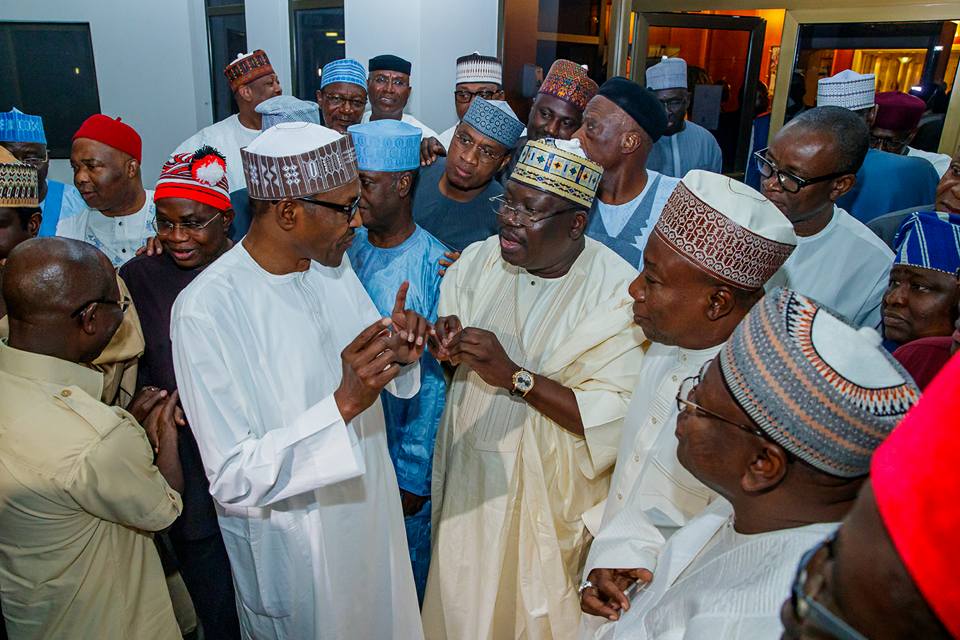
(389, 63)
(638, 102)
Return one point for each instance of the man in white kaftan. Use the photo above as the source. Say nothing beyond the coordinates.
(511, 477)
(307, 499)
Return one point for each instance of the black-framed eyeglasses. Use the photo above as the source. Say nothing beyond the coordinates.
(463, 96)
(522, 216)
(335, 101)
(348, 210)
(803, 599)
(893, 145)
(673, 103)
(790, 182)
(163, 227)
(35, 161)
(124, 303)
(683, 403)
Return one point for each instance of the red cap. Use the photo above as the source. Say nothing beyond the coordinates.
(898, 111)
(916, 484)
(113, 133)
(200, 176)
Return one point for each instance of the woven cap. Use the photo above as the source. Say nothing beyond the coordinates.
(569, 81)
(247, 68)
(559, 167)
(826, 392)
(494, 119)
(200, 176)
(19, 182)
(478, 68)
(847, 89)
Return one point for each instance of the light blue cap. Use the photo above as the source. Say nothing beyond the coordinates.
(386, 145)
(494, 119)
(17, 126)
(287, 109)
(344, 70)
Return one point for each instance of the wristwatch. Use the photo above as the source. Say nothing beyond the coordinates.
(522, 383)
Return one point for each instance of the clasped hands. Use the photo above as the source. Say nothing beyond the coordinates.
(478, 349)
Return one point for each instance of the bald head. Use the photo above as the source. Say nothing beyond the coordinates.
(47, 279)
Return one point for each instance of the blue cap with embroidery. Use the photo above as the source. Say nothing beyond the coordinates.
(287, 109)
(17, 126)
(929, 240)
(494, 119)
(386, 145)
(345, 70)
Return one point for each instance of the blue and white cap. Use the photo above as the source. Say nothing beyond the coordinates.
(287, 109)
(494, 119)
(929, 240)
(386, 145)
(17, 126)
(344, 70)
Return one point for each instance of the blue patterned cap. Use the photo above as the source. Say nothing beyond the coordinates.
(929, 240)
(345, 70)
(386, 145)
(495, 119)
(17, 126)
(287, 109)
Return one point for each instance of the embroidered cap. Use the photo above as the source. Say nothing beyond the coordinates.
(386, 145)
(847, 89)
(247, 68)
(19, 182)
(494, 119)
(826, 392)
(569, 81)
(344, 70)
(726, 228)
(287, 109)
(669, 73)
(559, 167)
(478, 68)
(17, 126)
(297, 159)
(200, 176)
(929, 240)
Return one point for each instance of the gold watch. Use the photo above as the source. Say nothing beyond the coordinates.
(522, 383)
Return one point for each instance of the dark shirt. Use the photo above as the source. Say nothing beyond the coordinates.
(154, 283)
(241, 215)
(455, 224)
(924, 357)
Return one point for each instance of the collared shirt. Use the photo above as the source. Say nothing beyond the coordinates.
(78, 489)
(117, 236)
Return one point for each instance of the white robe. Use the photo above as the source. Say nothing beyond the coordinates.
(940, 161)
(227, 136)
(409, 119)
(118, 237)
(713, 583)
(308, 504)
(845, 267)
(692, 148)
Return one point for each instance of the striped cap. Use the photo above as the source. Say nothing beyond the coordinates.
(247, 68)
(19, 182)
(478, 68)
(929, 240)
(344, 70)
(200, 176)
(826, 392)
(17, 126)
(847, 89)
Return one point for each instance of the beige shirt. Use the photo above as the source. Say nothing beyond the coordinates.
(78, 491)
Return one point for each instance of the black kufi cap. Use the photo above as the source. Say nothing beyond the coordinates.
(638, 102)
(389, 63)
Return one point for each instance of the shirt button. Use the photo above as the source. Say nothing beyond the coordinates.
(674, 378)
(636, 458)
(123, 250)
(619, 496)
(683, 357)
(654, 420)
(119, 223)
(65, 393)
(532, 283)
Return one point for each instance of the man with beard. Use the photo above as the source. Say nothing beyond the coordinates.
(452, 197)
(536, 323)
(388, 86)
(22, 135)
(193, 216)
(684, 145)
(620, 126)
(343, 93)
(391, 252)
(280, 383)
(782, 426)
(715, 246)
(252, 80)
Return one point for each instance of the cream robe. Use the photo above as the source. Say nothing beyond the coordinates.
(509, 484)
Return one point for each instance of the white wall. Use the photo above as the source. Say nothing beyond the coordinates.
(432, 34)
(268, 28)
(150, 70)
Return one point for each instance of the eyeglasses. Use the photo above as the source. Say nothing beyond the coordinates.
(35, 161)
(348, 210)
(521, 216)
(689, 384)
(463, 96)
(789, 182)
(804, 603)
(334, 101)
(673, 103)
(123, 303)
(163, 227)
(486, 155)
(893, 145)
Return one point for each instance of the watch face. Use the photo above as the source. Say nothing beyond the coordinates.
(523, 381)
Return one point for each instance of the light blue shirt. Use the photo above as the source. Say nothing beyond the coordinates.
(62, 200)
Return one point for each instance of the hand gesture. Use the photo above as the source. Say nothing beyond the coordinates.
(481, 350)
(606, 598)
(368, 364)
(153, 247)
(441, 335)
(449, 257)
(161, 423)
(430, 150)
(144, 401)
(410, 329)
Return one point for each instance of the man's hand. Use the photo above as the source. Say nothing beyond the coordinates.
(606, 598)
(430, 150)
(412, 503)
(144, 401)
(441, 335)
(153, 247)
(368, 364)
(449, 257)
(411, 330)
(161, 423)
(481, 350)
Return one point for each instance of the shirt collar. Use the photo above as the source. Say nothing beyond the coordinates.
(41, 368)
